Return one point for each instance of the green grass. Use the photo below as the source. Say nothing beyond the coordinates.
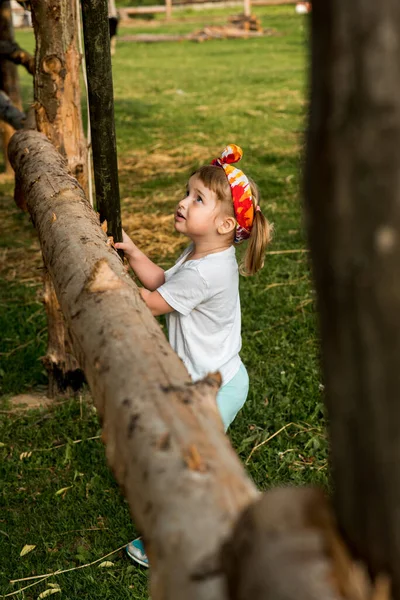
(176, 106)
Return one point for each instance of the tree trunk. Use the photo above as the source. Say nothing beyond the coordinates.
(56, 82)
(353, 211)
(164, 436)
(58, 116)
(9, 81)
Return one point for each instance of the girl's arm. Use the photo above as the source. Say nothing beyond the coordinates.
(155, 302)
(150, 275)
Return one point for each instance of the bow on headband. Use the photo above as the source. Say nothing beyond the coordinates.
(241, 191)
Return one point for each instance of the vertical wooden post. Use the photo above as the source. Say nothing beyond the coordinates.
(168, 9)
(9, 81)
(352, 190)
(101, 107)
(247, 8)
(58, 116)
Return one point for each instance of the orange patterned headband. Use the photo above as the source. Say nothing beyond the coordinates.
(241, 191)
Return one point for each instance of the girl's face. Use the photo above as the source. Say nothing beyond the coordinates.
(197, 214)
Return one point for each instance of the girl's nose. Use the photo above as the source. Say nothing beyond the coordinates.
(182, 202)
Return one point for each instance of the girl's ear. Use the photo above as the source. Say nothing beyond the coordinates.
(227, 225)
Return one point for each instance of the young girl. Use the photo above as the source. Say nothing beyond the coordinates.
(200, 293)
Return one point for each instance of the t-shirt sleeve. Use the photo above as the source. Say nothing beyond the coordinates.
(184, 290)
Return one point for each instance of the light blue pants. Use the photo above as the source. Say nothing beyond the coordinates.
(232, 396)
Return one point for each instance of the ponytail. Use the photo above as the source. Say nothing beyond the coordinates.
(260, 237)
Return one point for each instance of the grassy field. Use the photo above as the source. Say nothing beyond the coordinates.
(176, 107)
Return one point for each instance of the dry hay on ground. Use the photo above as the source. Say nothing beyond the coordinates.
(22, 263)
(39, 400)
(154, 234)
(148, 164)
(144, 166)
(29, 402)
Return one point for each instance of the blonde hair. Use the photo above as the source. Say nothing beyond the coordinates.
(214, 178)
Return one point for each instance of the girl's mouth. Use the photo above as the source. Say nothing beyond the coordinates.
(179, 216)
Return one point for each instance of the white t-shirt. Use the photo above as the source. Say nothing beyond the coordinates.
(204, 329)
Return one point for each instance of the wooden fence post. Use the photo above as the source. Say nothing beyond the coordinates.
(168, 9)
(58, 116)
(101, 108)
(352, 190)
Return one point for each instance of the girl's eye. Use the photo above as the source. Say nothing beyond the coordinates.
(199, 199)
(187, 193)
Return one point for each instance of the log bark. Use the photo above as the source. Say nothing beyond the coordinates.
(9, 81)
(164, 437)
(10, 113)
(60, 361)
(352, 190)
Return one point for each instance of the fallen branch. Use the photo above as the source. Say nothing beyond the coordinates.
(62, 571)
(42, 578)
(96, 437)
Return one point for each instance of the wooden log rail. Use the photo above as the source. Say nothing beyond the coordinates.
(209, 534)
(185, 484)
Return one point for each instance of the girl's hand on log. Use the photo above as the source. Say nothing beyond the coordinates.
(126, 245)
(148, 273)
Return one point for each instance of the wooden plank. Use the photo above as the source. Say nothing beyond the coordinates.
(140, 10)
